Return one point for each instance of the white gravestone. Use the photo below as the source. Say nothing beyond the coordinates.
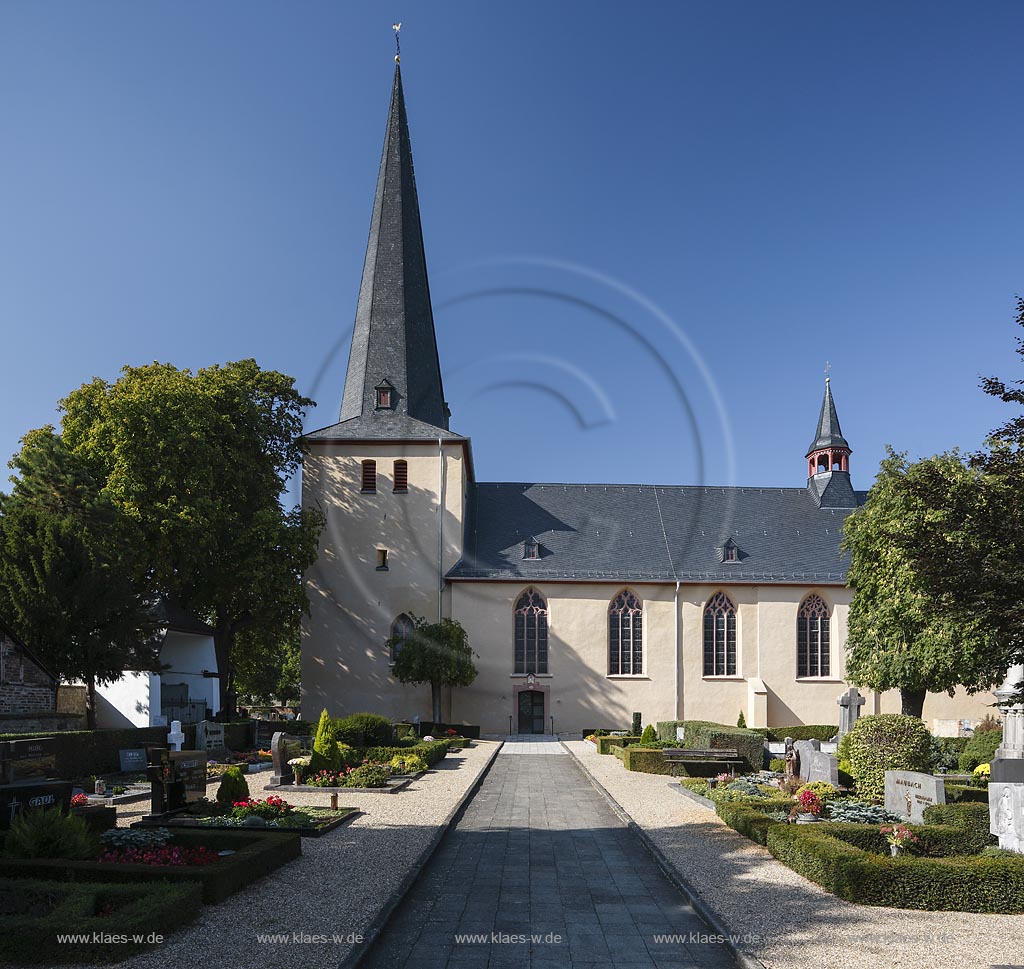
(175, 736)
(1006, 815)
(908, 793)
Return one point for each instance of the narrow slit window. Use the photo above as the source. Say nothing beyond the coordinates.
(401, 476)
(369, 476)
(382, 560)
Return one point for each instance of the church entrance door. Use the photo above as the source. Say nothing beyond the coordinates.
(531, 711)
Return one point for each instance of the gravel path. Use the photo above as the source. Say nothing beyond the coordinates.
(339, 885)
(796, 924)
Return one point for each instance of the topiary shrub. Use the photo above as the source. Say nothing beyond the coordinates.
(233, 787)
(365, 730)
(49, 833)
(637, 724)
(881, 742)
(369, 775)
(980, 749)
(741, 721)
(648, 736)
(825, 791)
(325, 754)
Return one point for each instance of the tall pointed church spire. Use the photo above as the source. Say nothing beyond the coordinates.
(393, 366)
(828, 459)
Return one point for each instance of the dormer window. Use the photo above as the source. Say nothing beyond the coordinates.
(730, 552)
(531, 549)
(385, 392)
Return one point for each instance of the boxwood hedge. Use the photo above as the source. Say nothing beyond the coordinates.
(430, 750)
(606, 744)
(845, 866)
(83, 909)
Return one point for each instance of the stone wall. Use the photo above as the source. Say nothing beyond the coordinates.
(25, 687)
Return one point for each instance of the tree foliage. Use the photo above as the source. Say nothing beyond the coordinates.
(199, 463)
(267, 666)
(969, 551)
(435, 653)
(72, 581)
(903, 633)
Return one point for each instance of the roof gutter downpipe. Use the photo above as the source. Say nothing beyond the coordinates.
(677, 666)
(440, 525)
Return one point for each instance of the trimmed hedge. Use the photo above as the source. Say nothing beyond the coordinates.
(961, 793)
(137, 910)
(605, 745)
(980, 749)
(431, 751)
(802, 731)
(83, 752)
(881, 742)
(956, 882)
(748, 741)
(256, 854)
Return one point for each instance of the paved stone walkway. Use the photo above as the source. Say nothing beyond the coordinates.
(545, 875)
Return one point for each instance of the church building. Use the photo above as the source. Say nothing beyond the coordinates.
(583, 602)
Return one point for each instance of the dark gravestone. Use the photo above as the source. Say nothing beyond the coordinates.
(210, 736)
(177, 778)
(25, 782)
(132, 760)
(283, 747)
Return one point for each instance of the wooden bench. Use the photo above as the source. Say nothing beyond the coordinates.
(720, 755)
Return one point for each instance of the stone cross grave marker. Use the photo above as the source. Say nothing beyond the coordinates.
(908, 793)
(849, 709)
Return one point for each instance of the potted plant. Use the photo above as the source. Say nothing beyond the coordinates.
(900, 838)
(809, 808)
(298, 766)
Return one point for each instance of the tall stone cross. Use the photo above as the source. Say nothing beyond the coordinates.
(849, 709)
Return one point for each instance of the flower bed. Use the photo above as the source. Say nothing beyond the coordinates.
(252, 855)
(33, 913)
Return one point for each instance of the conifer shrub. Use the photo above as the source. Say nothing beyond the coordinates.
(233, 787)
(881, 742)
(637, 724)
(648, 736)
(741, 721)
(325, 754)
(49, 833)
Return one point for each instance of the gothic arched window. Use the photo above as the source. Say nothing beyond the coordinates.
(720, 636)
(530, 645)
(401, 630)
(813, 652)
(625, 636)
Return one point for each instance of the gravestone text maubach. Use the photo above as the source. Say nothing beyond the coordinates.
(908, 793)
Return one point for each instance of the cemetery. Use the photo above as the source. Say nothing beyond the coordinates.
(877, 811)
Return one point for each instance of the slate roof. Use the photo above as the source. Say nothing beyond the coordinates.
(830, 434)
(382, 426)
(632, 533)
(394, 337)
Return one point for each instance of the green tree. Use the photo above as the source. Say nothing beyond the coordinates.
(435, 653)
(267, 666)
(71, 581)
(901, 634)
(971, 550)
(200, 463)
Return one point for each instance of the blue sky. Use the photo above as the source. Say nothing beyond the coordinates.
(647, 226)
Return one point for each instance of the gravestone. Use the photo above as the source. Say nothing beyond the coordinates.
(283, 747)
(132, 760)
(1006, 815)
(25, 766)
(849, 709)
(210, 736)
(804, 749)
(177, 778)
(908, 793)
(822, 767)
